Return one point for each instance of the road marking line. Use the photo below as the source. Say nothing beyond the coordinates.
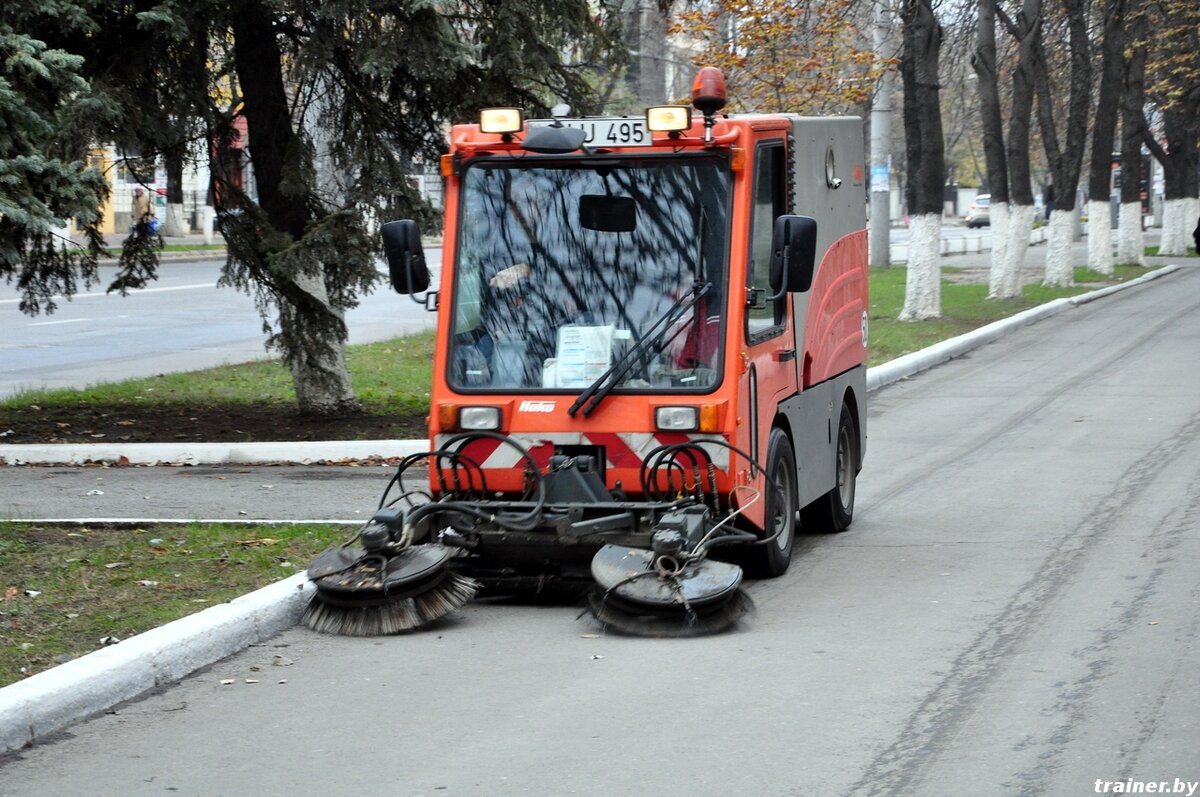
(64, 321)
(131, 293)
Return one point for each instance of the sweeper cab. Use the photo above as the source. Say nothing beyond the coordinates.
(649, 371)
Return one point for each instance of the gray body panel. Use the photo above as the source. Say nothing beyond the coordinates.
(838, 211)
(812, 417)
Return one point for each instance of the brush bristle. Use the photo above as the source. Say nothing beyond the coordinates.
(625, 618)
(393, 616)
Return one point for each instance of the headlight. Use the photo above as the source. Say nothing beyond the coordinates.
(479, 418)
(676, 419)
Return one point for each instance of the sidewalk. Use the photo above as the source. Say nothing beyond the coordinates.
(193, 240)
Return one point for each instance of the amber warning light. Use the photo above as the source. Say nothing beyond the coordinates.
(708, 95)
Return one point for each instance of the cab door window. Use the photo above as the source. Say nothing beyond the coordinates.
(764, 319)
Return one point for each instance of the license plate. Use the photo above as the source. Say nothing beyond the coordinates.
(620, 132)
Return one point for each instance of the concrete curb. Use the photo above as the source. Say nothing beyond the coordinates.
(52, 700)
(302, 453)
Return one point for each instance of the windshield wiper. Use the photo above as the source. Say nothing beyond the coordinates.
(596, 392)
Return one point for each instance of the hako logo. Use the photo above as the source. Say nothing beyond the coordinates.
(536, 406)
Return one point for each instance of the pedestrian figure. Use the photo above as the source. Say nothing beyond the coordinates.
(142, 210)
(1196, 236)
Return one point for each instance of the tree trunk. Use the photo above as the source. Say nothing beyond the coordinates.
(1130, 248)
(1026, 29)
(1179, 159)
(312, 331)
(1100, 256)
(984, 63)
(925, 156)
(174, 223)
(1066, 160)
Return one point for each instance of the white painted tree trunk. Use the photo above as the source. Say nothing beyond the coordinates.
(1100, 256)
(1011, 279)
(1176, 232)
(1130, 248)
(175, 223)
(923, 288)
(1193, 219)
(322, 383)
(998, 214)
(1060, 271)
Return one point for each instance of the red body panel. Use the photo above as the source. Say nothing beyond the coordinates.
(835, 337)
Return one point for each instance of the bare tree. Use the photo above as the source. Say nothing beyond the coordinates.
(922, 37)
(1104, 126)
(1130, 248)
(1066, 158)
(1174, 89)
(1026, 29)
(986, 67)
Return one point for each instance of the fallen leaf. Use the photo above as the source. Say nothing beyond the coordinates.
(282, 661)
(95, 492)
(260, 542)
(148, 583)
(227, 681)
(115, 565)
(251, 680)
(32, 593)
(11, 592)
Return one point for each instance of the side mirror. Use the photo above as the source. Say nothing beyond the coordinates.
(405, 257)
(793, 255)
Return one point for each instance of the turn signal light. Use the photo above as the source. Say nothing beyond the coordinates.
(447, 415)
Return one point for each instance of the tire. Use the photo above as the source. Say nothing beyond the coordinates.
(771, 559)
(834, 511)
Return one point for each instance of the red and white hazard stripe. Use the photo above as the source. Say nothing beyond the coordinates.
(621, 449)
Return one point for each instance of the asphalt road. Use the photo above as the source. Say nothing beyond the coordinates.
(181, 322)
(1016, 611)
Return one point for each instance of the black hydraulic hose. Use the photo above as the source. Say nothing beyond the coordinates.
(523, 522)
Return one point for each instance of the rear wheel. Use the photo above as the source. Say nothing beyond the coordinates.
(834, 511)
(771, 559)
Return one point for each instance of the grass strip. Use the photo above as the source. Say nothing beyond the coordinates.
(965, 307)
(65, 588)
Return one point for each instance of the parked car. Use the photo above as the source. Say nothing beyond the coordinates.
(977, 211)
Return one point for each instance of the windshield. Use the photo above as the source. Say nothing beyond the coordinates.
(563, 268)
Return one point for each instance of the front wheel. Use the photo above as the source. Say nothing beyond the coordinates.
(772, 557)
(834, 511)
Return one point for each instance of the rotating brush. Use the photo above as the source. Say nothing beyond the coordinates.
(386, 586)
